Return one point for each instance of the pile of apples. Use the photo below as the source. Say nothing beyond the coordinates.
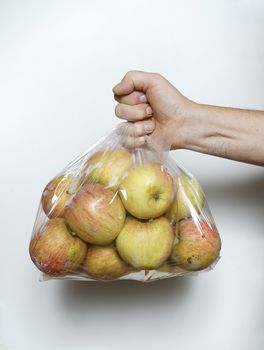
(121, 218)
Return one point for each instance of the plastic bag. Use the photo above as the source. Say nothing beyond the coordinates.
(118, 212)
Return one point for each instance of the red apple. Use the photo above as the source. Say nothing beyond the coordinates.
(104, 263)
(55, 251)
(197, 244)
(55, 196)
(96, 214)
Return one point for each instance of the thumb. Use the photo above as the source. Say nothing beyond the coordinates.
(134, 80)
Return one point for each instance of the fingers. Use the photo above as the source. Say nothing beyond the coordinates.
(140, 128)
(124, 88)
(133, 113)
(135, 80)
(134, 98)
(131, 97)
(131, 93)
(134, 142)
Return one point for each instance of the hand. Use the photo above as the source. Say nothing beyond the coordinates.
(154, 107)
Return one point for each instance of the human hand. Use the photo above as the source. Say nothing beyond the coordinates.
(154, 107)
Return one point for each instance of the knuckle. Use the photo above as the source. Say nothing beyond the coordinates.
(118, 110)
(129, 74)
(133, 142)
(135, 95)
(138, 116)
(156, 76)
(117, 98)
(138, 129)
(132, 98)
(134, 112)
(142, 111)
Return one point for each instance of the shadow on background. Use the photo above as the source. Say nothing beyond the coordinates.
(237, 197)
(240, 188)
(94, 295)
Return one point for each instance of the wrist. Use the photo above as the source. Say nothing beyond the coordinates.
(198, 128)
(208, 129)
(187, 129)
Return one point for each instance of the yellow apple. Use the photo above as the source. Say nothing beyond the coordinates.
(55, 251)
(145, 245)
(55, 196)
(104, 263)
(147, 191)
(197, 244)
(96, 214)
(189, 199)
(108, 167)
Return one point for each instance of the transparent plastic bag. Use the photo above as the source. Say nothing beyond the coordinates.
(118, 212)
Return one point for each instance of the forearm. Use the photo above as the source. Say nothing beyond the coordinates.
(226, 132)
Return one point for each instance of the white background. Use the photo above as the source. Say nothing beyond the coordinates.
(58, 63)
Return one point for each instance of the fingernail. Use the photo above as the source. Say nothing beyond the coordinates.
(149, 110)
(148, 126)
(142, 98)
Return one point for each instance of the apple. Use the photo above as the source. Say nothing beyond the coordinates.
(96, 214)
(189, 199)
(147, 191)
(145, 245)
(55, 196)
(103, 262)
(54, 250)
(197, 244)
(108, 167)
